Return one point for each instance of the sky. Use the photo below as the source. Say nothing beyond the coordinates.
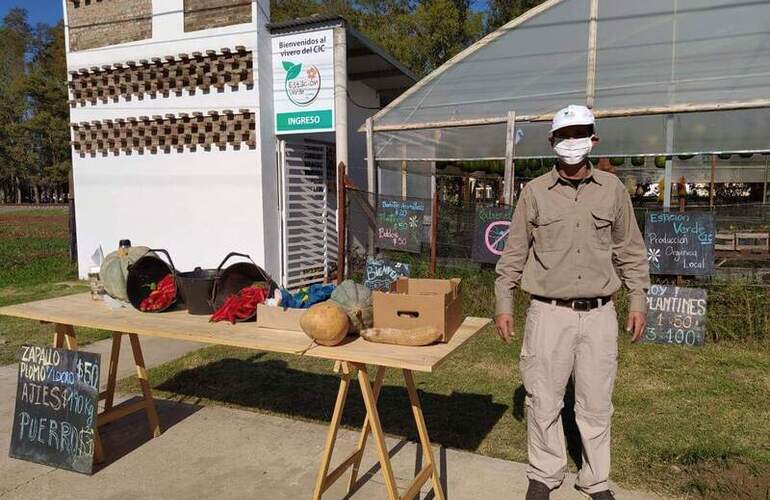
(50, 11)
(39, 11)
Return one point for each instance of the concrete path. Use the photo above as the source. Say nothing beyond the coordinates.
(217, 452)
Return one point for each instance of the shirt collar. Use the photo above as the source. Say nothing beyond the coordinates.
(556, 178)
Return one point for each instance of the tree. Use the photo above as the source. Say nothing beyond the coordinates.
(442, 28)
(48, 126)
(421, 34)
(284, 10)
(499, 12)
(15, 152)
(388, 24)
(34, 110)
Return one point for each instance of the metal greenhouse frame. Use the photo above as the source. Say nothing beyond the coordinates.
(664, 77)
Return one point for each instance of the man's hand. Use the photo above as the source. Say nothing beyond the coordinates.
(504, 325)
(635, 325)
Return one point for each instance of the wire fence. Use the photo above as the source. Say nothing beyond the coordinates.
(460, 243)
(458, 221)
(738, 290)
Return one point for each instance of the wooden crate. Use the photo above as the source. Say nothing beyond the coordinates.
(752, 242)
(725, 241)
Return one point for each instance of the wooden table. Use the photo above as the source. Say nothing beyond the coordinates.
(350, 357)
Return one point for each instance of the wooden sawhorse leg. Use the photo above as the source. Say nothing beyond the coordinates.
(430, 470)
(372, 423)
(112, 373)
(359, 453)
(65, 335)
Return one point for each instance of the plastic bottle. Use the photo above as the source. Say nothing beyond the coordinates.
(95, 282)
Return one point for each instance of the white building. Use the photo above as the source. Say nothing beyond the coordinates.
(173, 109)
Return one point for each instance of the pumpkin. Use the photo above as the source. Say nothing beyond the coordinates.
(356, 301)
(114, 270)
(326, 323)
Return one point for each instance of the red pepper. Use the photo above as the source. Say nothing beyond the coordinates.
(162, 295)
(240, 306)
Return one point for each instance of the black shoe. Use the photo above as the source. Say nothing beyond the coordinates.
(600, 495)
(538, 491)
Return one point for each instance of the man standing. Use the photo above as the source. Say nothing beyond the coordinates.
(569, 227)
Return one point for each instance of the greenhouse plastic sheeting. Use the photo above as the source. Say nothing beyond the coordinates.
(655, 53)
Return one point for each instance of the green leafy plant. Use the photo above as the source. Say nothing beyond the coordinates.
(617, 161)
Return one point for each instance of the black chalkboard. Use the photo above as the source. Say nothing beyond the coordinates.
(381, 273)
(490, 233)
(675, 315)
(680, 243)
(399, 224)
(56, 404)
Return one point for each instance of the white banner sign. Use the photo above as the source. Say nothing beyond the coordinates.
(303, 82)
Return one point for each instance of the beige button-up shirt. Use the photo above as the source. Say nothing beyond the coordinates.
(563, 242)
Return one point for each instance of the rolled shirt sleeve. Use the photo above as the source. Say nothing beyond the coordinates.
(510, 266)
(630, 254)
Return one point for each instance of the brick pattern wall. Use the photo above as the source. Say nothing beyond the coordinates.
(163, 76)
(172, 132)
(205, 14)
(98, 23)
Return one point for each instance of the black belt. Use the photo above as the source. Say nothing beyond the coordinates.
(576, 304)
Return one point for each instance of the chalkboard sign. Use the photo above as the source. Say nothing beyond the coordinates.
(680, 243)
(380, 273)
(56, 404)
(399, 224)
(675, 315)
(491, 232)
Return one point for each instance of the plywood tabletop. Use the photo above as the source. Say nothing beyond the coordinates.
(80, 310)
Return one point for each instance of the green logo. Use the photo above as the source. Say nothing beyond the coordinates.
(302, 87)
(292, 70)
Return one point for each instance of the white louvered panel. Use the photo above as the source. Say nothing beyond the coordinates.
(309, 213)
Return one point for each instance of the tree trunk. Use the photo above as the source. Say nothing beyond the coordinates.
(17, 185)
(36, 191)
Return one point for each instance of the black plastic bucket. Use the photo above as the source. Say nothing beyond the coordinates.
(147, 270)
(236, 277)
(195, 287)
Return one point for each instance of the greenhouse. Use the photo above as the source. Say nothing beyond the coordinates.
(685, 81)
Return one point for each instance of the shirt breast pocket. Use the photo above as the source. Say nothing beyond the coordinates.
(602, 225)
(552, 232)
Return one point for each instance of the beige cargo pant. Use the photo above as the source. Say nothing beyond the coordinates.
(560, 342)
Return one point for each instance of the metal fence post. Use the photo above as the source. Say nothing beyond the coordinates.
(510, 145)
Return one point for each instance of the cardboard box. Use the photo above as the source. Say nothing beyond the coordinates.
(279, 319)
(413, 303)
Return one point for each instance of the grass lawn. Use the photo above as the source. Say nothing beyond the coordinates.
(687, 420)
(35, 265)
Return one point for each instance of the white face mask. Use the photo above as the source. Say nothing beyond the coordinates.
(573, 151)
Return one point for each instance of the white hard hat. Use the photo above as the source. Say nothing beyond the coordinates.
(572, 115)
